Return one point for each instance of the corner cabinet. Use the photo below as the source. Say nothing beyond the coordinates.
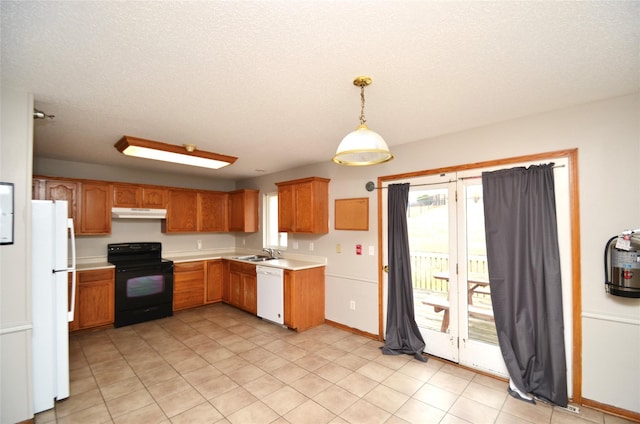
(304, 298)
(243, 211)
(303, 206)
(191, 211)
(52, 189)
(89, 202)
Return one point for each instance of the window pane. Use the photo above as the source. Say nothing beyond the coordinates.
(272, 238)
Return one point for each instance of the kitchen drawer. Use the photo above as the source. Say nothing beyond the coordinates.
(188, 266)
(188, 298)
(95, 275)
(189, 281)
(188, 284)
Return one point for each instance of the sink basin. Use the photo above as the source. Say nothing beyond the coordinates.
(253, 258)
(261, 259)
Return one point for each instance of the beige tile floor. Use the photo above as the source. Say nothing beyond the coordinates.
(217, 364)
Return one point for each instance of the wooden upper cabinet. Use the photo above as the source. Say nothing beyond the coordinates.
(96, 209)
(243, 211)
(303, 206)
(212, 211)
(153, 198)
(126, 196)
(89, 202)
(182, 212)
(61, 190)
(134, 196)
(286, 209)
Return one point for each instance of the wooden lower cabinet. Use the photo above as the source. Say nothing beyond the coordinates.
(243, 287)
(304, 298)
(201, 282)
(215, 275)
(95, 299)
(188, 284)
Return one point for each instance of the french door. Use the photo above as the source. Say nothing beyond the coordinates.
(452, 299)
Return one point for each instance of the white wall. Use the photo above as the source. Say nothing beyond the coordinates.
(94, 248)
(607, 135)
(15, 263)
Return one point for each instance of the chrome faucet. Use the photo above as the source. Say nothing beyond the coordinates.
(272, 252)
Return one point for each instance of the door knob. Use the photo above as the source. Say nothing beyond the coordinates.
(386, 268)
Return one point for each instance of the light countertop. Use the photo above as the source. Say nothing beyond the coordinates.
(294, 264)
(89, 266)
(284, 263)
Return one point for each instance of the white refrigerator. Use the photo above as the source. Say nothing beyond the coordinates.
(52, 259)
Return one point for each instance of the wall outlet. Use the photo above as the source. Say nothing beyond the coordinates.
(338, 248)
(199, 243)
(310, 246)
(295, 245)
(371, 251)
(352, 305)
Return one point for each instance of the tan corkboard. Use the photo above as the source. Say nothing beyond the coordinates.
(352, 214)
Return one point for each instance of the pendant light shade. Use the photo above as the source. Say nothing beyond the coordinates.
(362, 147)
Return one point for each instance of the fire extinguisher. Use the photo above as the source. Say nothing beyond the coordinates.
(622, 276)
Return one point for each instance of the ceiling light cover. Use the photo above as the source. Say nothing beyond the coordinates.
(362, 147)
(187, 155)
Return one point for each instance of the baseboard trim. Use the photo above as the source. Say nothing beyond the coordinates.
(613, 410)
(352, 330)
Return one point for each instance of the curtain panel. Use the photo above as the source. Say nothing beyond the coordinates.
(524, 273)
(402, 333)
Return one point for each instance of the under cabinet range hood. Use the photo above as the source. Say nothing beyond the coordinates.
(138, 213)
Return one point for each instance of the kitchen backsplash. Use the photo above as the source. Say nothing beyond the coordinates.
(138, 230)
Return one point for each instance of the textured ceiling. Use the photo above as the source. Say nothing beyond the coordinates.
(271, 82)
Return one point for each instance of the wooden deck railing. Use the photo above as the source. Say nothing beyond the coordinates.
(425, 264)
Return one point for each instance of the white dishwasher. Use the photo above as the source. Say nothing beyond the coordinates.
(270, 293)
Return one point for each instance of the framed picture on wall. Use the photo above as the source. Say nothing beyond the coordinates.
(6, 213)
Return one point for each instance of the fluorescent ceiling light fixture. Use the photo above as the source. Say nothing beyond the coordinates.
(187, 154)
(362, 146)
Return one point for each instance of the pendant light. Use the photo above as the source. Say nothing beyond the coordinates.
(362, 146)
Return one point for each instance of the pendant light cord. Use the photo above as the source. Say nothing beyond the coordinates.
(362, 118)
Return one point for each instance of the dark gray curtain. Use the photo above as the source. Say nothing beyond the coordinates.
(403, 335)
(524, 272)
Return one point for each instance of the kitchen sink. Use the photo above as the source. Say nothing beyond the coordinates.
(253, 258)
